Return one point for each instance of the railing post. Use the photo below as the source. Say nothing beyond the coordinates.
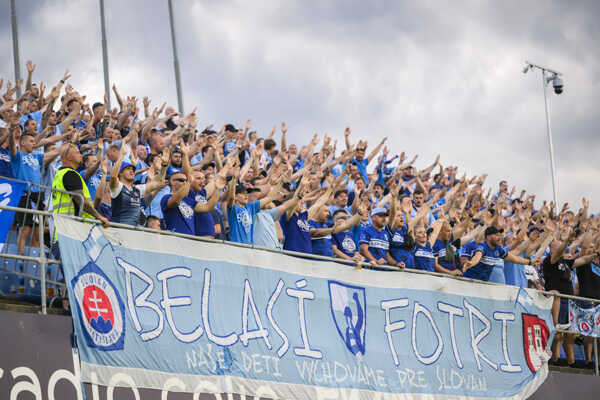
(595, 355)
(42, 264)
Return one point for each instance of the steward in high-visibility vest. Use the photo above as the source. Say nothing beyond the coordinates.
(62, 203)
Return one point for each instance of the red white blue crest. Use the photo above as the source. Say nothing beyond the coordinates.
(100, 307)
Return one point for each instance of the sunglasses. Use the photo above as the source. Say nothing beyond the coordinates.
(180, 180)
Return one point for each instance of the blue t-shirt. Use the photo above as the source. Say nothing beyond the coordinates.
(489, 258)
(424, 258)
(180, 218)
(241, 220)
(378, 241)
(321, 245)
(362, 168)
(297, 232)
(5, 165)
(468, 249)
(344, 241)
(399, 254)
(514, 274)
(28, 167)
(93, 182)
(203, 221)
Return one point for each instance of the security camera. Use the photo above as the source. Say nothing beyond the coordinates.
(557, 83)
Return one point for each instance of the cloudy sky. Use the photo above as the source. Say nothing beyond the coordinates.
(432, 77)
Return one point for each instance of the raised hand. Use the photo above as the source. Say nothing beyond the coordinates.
(30, 66)
(248, 125)
(347, 132)
(283, 128)
(67, 75)
(585, 202)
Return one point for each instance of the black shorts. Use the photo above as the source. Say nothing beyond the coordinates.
(31, 201)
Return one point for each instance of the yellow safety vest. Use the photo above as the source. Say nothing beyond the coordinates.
(62, 203)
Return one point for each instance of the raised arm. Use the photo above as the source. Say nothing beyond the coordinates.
(377, 149)
(119, 99)
(30, 68)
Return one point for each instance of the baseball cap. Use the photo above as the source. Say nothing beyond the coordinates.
(492, 230)
(245, 189)
(378, 211)
(125, 165)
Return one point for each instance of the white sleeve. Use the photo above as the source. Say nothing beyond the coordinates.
(115, 192)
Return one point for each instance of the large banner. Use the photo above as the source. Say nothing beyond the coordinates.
(160, 311)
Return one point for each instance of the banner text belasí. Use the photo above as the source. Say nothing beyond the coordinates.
(230, 319)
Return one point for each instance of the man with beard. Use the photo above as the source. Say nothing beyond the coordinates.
(206, 196)
(178, 207)
(488, 254)
(125, 196)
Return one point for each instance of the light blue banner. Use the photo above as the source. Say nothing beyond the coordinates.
(10, 194)
(187, 316)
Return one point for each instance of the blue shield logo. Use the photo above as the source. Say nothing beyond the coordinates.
(349, 312)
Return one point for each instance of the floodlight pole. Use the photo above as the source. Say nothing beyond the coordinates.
(545, 81)
(550, 143)
(105, 56)
(175, 60)
(15, 38)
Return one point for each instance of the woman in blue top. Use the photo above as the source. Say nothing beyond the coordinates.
(400, 253)
(423, 252)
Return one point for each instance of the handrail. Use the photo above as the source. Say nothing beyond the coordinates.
(288, 252)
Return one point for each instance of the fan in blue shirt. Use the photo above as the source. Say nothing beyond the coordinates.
(240, 212)
(445, 262)
(488, 254)
(375, 239)
(343, 244)
(360, 160)
(321, 231)
(423, 253)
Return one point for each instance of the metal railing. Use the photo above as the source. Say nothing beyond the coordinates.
(39, 198)
(43, 261)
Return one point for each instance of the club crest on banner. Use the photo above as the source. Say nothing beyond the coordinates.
(535, 341)
(101, 309)
(349, 311)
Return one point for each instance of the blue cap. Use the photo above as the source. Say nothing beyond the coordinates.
(379, 210)
(125, 165)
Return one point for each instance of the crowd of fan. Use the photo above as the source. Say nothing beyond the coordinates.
(139, 165)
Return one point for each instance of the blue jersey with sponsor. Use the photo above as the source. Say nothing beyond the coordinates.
(424, 258)
(468, 249)
(241, 220)
(321, 245)
(490, 257)
(28, 167)
(399, 254)
(296, 231)
(180, 218)
(204, 224)
(378, 241)
(344, 241)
